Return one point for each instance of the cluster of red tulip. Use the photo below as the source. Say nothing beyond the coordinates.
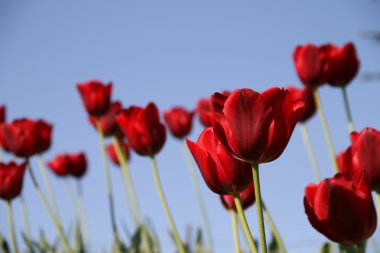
(243, 129)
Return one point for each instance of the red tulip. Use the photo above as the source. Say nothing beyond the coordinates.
(2, 113)
(108, 120)
(222, 172)
(306, 95)
(205, 111)
(310, 62)
(256, 127)
(25, 137)
(247, 198)
(142, 127)
(341, 208)
(11, 180)
(112, 152)
(363, 155)
(342, 64)
(96, 96)
(74, 164)
(179, 121)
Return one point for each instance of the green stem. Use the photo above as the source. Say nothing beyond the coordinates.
(1, 154)
(244, 224)
(82, 212)
(177, 238)
(50, 211)
(11, 226)
(198, 195)
(361, 247)
(350, 122)
(49, 188)
(108, 179)
(25, 219)
(310, 151)
(256, 181)
(326, 131)
(70, 192)
(274, 230)
(235, 232)
(128, 183)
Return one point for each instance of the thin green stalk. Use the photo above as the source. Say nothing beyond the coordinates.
(235, 232)
(361, 247)
(198, 195)
(326, 131)
(310, 151)
(50, 211)
(274, 230)
(127, 180)
(82, 212)
(25, 219)
(48, 187)
(1, 154)
(108, 179)
(244, 224)
(11, 227)
(350, 122)
(176, 236)
(378, 204)
(256, 181)
(70, 192)
(128, 183)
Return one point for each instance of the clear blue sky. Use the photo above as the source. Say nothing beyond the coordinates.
(172, 53)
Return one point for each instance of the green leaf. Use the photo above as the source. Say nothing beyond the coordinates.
(327, 248)
(349, 248)
(79, 244)
(273, 246)
(29, 243)
(4, 245)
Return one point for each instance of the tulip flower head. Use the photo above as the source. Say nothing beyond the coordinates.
(113, 155)
(74, 164)
(145, 133)
(306, 95)
(25, 137)
(256, 127)
(96, 97)
(247, 199)
(341, 208)
(11, 180)
(179, 121)
(108, 120)
(3, 113)
(342, 64)
(222, 172)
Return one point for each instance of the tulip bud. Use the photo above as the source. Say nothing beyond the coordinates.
(74, 164)
(179, 121)
(96, 97)
(11, 180)
(306, 95)
(113, 155)
(108, 121)
(247, 198)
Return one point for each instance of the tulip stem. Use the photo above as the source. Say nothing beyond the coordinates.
(176, 236)
(1, 154)
(50, 211)
(70, 192)
(198, 195)
(326, 131)
(11, 226)
(108, 179)
(361, 247)
(350, 125)
(274, 230)
(25, 219)
(256, 181)
(235, 232)
(378, 205)
(132, 199)
(49, 188)
(82, 212)
(310, 151)
(244, 224)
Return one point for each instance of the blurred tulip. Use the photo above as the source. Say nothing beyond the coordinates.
(96, 97)
(222, 173)
(342, 64)
(11, 180)
(306, 95)
(26, 137)
(74, 164)
(3, 113)
(341, 208)
(205, 111)
(179, 121)
(310, 63)
(256, 127)
(113, 155)
(145, 133)
(247, 198)
(108, 121)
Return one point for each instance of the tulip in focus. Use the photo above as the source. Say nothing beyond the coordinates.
(11, 180)
(341, 208)
(179, 121)
(96, 97)
(222, 172)
(145, 133)
(25, 137)
(247, 198)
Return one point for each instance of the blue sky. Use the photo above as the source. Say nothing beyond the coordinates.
(173, 53)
